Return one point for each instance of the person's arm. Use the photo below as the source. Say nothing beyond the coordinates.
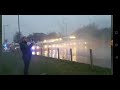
(31, 45)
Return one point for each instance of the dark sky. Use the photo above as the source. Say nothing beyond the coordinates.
(50, 23)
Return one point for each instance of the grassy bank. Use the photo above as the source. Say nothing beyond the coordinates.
(12, 64)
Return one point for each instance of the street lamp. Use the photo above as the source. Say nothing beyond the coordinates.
(4, 30)
(19, 26)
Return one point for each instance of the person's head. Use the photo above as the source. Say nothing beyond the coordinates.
(24, 39)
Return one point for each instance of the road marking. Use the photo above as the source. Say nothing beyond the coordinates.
(44, 74)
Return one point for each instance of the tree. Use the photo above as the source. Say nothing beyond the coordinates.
(52, 35)
(106, 33)
(37, 37)
(87, 32)
(30, 37)
(92, 34)
(41, 36)
(17, 37)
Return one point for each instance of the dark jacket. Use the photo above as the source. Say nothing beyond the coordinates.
(26, 50)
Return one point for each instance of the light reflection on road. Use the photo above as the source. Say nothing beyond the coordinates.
(80, 53)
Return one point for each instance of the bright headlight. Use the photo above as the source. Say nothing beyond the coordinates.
(38, 53)
(33, 53)
(33, 47)
(37, 47)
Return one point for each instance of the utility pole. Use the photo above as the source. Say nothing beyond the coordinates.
(4, 30)
(66, 29)
(62, 29)
(19, 26)
(65, 23)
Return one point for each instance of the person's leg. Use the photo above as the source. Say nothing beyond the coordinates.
(28, 63)
(25, 65)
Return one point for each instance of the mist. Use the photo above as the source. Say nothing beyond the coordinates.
(93, 29)
(50, 23)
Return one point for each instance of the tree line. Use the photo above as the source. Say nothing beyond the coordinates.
(87, 32)
(92, 31)
(37, 36)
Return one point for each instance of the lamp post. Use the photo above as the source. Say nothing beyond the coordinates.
(19, 26)
(4, 26)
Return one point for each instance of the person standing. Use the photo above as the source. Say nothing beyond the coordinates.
(26, 53)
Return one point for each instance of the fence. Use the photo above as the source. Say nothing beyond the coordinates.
(95, 56)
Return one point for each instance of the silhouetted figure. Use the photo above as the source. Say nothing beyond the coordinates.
(26, 54)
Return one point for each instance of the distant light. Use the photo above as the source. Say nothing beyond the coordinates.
(56, 39)
(53, 45)
(52, 40)
(85, 42)
(33, 53)
(60, 39)
(33, 47)
(85, 47)
(5, 48)
(72, 37)
(49, 46)
(5, 45)
(37, 47)
(45, 53)
(45, 41)
(15, 48)
(38, 53)
(64, 44)
(45, 46)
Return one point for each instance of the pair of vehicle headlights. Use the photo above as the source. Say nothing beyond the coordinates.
(35, 50)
